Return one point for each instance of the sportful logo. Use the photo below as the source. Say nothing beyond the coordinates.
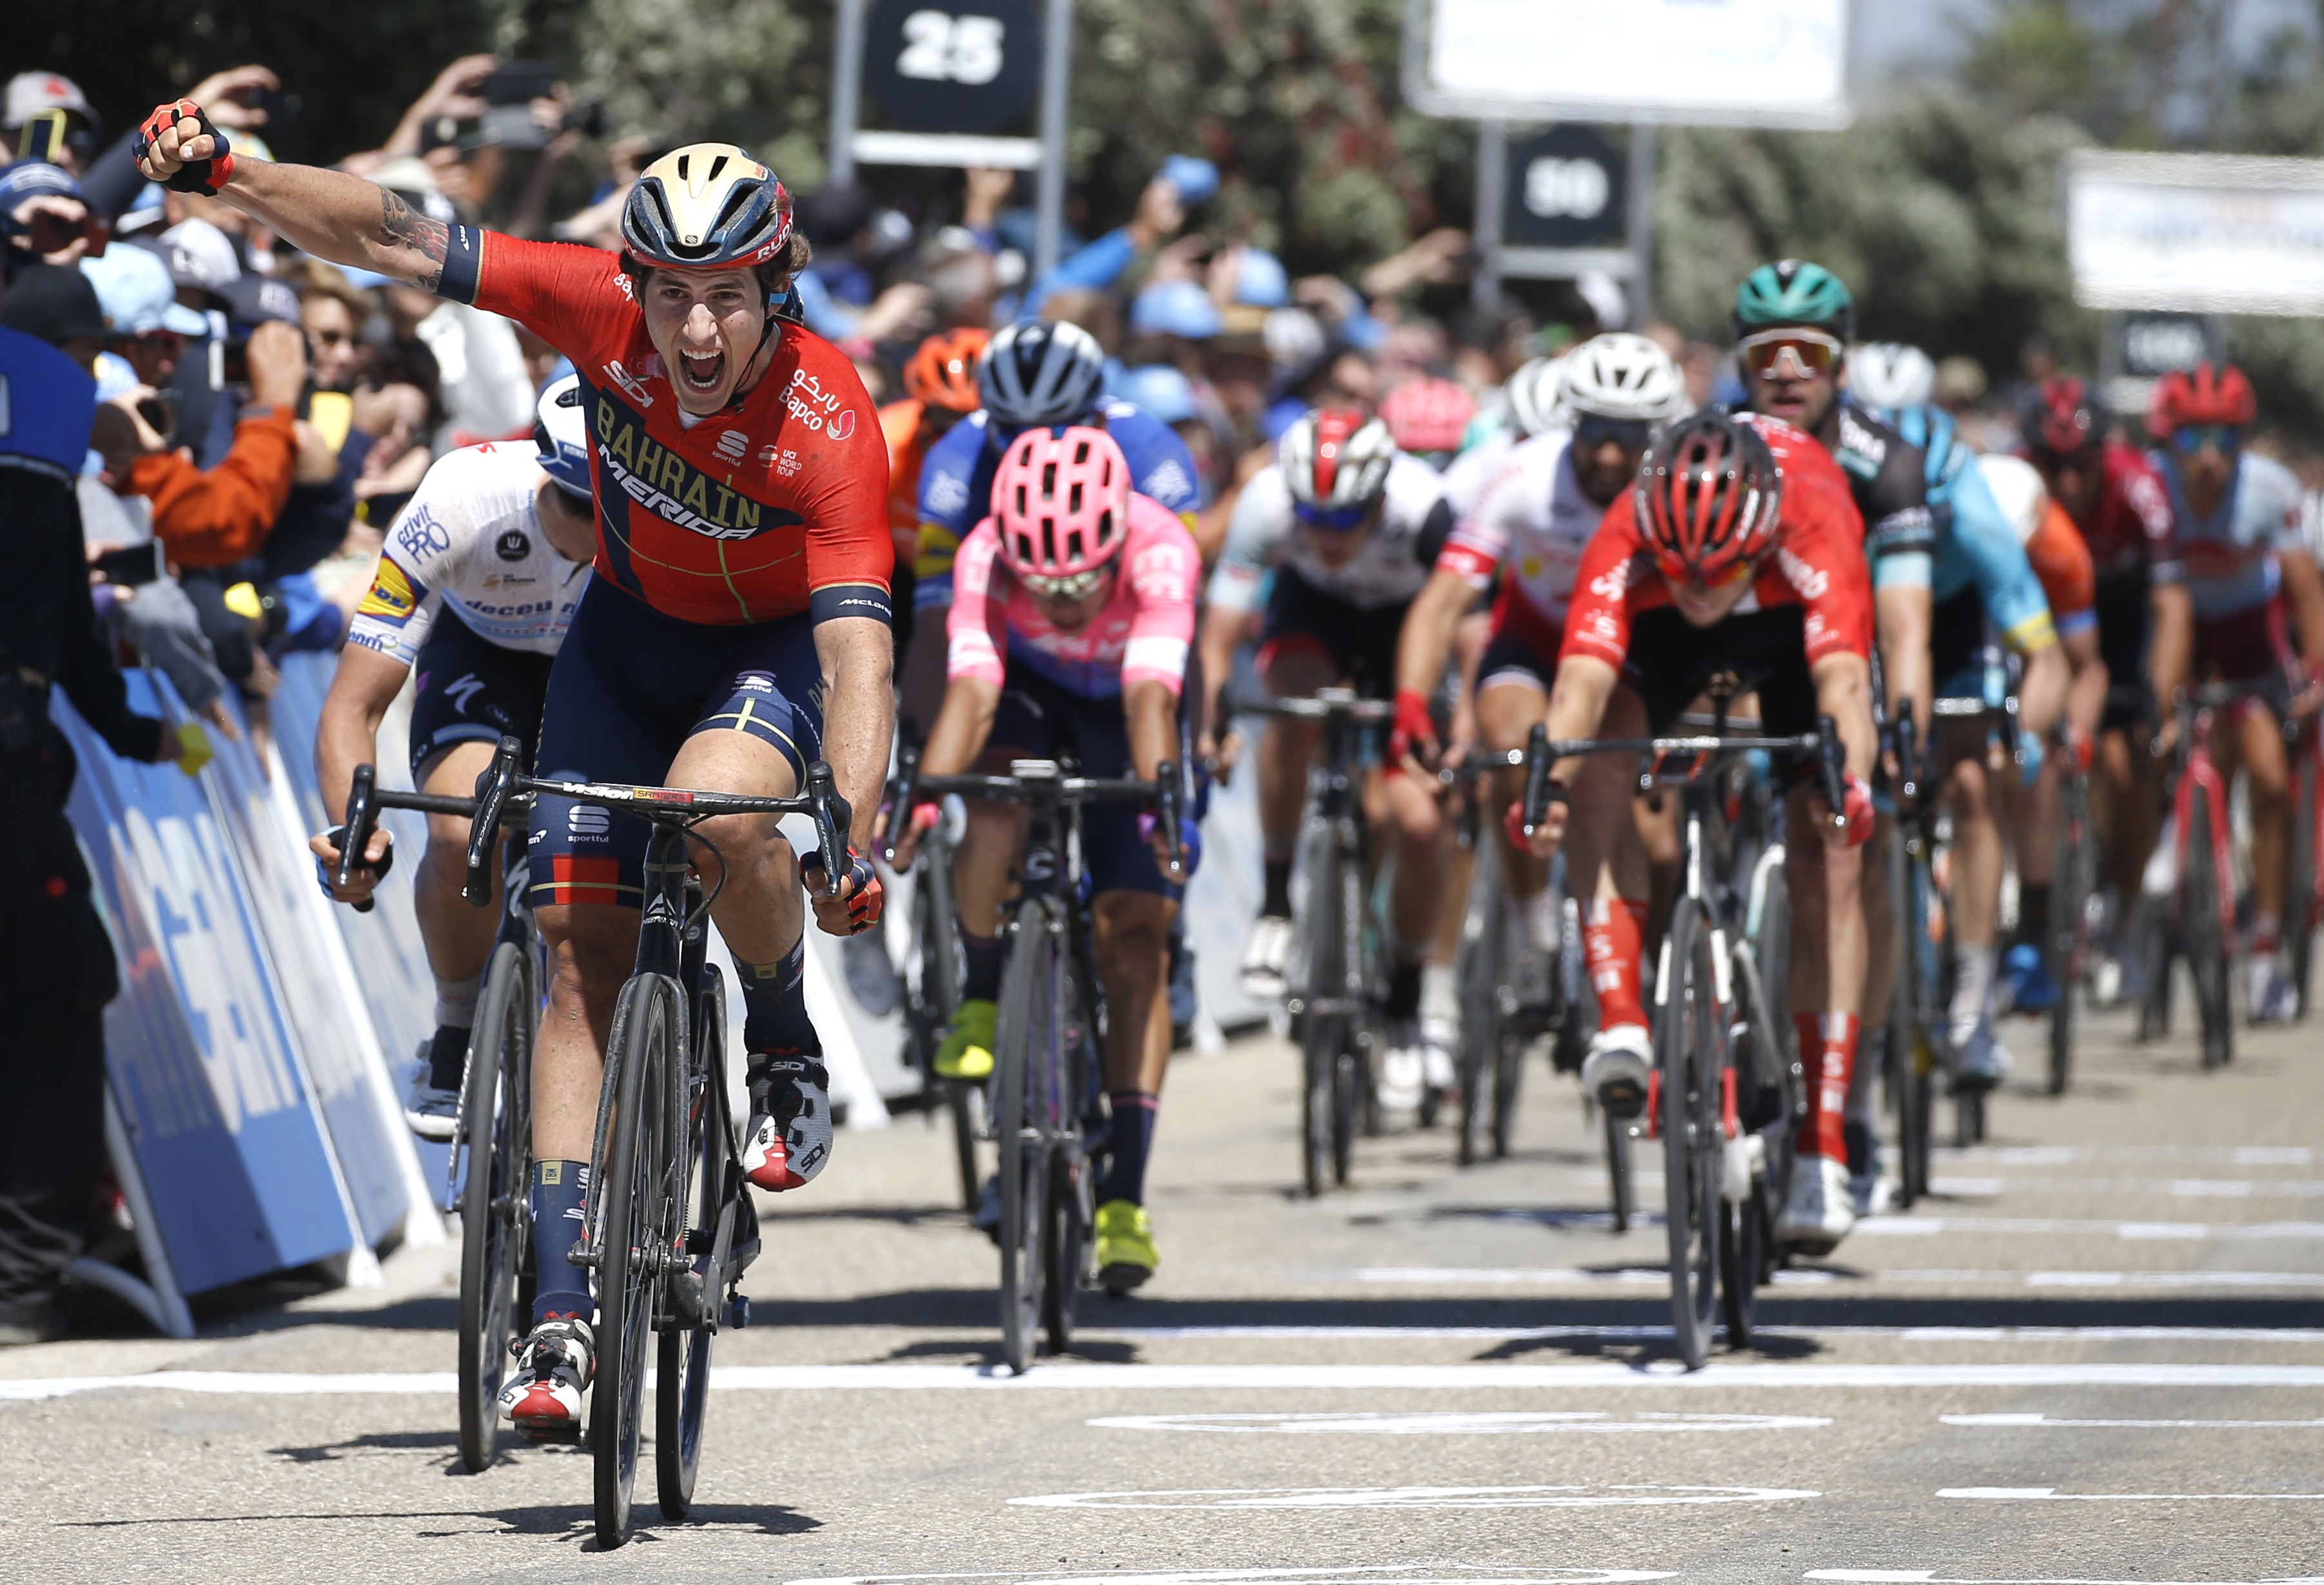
(732, 445)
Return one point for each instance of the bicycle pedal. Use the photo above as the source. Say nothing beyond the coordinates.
(566, 1435)
(738, 1311)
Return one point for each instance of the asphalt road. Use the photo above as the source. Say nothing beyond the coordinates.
(2097, 1355)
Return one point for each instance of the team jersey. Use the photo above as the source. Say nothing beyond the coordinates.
(2053, 544)
(1977, 546)
(1468, 475)
(1817, 562)
(909, 441)
(47, 403)
(1533, 522)
(1885, 475)
(769, 508)
(957, 485)
(1142, 633)
(1387, 569)
(2229, 561)
(2129, 528)
(470, 539)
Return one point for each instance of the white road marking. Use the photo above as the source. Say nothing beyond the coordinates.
(1420, 1496)
(1356, 1574)
(2066, 1155)
(1353, 1574)
(1086, 1378)
(2052, 1494)
(2177, 1188)
(2017, 1420)
(1457, 1423)
(1970, 1335)
(1931, 1577)
(1907, 1227)
(1563, 1276)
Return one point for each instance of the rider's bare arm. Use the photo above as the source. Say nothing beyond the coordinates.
(1844, 683)
(2171, 643)
(2303, 586)
(963, 725)
(1150, 710)
(1577, 704)
(1221, 631)
(1428, 630)
(326, 213)
(1900, 611)
(2042, 694)
(859, 711)
(2086, 697)
(346, 736)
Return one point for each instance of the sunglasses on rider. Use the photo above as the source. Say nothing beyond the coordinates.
(1791, 353)
(1336, 520)
(2191, 439)
(1070, 585)
(1591, 432)
(1679, 575)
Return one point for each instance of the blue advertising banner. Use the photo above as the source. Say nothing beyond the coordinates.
(223, 1123)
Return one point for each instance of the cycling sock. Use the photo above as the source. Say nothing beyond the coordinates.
(448, 1056)
(1828, 1054)
(1862, 1090)
(2033, 913)
(774, 1002)
(456, 1001)
(1402, 992)
(2266, 935)
(1440, 993)
(980, 976)
(1132, 1137)
(560, 1191)
(1277, 901)
(1612, 935)
(1972, 989)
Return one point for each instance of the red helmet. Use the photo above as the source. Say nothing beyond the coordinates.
(1709, 495)
(2210, 393)
(1428, 415)
(942, 371)
(1061, 502)
(2063, 417)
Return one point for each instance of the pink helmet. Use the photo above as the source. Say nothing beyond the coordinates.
(1428, 415)
(1061, 501)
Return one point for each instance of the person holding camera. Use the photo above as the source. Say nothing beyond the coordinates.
(57, 964)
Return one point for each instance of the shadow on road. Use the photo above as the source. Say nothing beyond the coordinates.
(563, 1520)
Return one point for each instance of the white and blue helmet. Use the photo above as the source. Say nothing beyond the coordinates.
(560, 429)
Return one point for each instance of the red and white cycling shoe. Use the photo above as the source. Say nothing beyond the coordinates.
(542, 1396)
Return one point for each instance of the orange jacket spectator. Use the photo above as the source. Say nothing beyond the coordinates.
(223, 516)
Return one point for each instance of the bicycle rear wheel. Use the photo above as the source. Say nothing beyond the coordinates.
(682, 1365)
(635, 1233)
(496, 1133)
(2207, 946)
(1689, 1040)
(1027, 1005)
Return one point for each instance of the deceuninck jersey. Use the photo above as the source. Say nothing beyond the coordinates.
(1816, 562)
(1388, 568)
(470, 540)
(771, 507)
(956, 484)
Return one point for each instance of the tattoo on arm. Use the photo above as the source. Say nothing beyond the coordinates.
(402, 226)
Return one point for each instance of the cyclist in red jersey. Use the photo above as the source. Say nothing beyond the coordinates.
(742, 594)
(2118, 502)
(1739, 551)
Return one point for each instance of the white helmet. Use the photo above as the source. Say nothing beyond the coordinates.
(560, 431)
(1335, 459)
(1041, 371)
(1532, 393)
(1890, 374)
(1620, 376)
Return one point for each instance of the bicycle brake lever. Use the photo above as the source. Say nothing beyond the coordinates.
(1536, 781)
(492, 790)
(832, 818)
(362, 815)
(1829, 754)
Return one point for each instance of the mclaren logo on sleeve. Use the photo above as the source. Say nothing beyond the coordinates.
(665, 483)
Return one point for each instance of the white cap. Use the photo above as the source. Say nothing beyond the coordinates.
(31, 92)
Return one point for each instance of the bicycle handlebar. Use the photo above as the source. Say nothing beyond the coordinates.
(1327, 704)
(366, 800)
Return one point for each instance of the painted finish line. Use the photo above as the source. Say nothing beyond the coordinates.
(1420, 1496)
(1203, 1378)
(1429, 1573)
(1813, 1276)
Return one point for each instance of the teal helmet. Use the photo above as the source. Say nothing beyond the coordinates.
(1794, 291)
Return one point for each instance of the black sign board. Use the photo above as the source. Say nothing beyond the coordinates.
(956, 66)
(2153, 344)
(1567, 188)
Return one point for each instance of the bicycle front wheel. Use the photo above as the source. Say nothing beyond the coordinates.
(2299, 898)
(2070, 894)
(1024, 1057)
(496, 1136)
(682, 1370)
(2208, 947)
(635, 1235)
(1323, 1025)
(1689, 1039)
